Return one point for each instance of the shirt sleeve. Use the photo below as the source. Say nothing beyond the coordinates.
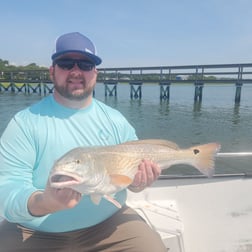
(17, 157)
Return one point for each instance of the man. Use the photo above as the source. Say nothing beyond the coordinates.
(41, 218)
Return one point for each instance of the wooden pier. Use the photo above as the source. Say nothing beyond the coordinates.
(164, 90)
(27, 88)
(137, 77)
(165, 76)
(108, 90)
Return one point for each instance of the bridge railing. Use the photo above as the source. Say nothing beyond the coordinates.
(219, 73)
(238, 74)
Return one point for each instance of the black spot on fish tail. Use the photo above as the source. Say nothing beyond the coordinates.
(196, 151)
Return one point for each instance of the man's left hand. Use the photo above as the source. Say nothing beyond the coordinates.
(147, 173)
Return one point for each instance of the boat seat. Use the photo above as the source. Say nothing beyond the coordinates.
(162, 216)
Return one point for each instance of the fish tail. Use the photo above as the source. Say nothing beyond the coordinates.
(204, 157)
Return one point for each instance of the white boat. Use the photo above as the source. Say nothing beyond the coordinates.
(199, 214)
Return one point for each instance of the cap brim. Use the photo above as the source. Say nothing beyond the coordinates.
(95, 59)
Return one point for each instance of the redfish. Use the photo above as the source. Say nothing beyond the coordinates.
(104, 170)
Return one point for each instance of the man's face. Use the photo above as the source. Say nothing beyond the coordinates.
(74, 83)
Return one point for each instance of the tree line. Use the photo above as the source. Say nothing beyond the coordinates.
(6, 66)
(31, 72)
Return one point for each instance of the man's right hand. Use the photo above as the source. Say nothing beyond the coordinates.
(52, 200)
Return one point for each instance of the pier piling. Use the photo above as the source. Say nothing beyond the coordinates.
(110, 91)
(198, 91)
(164, 90)
(238, 92)
(136, 89)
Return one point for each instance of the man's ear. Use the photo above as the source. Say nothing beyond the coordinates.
(51, 73)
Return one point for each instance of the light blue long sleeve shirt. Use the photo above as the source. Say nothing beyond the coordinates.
(34, 139)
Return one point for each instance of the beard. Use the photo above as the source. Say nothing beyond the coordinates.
(82, 91)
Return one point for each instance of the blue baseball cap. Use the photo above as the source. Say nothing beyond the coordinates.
(75, 42)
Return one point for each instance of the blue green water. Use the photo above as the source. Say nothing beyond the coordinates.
(216, 118)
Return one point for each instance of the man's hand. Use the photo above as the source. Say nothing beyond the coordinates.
(52, 200)
(147, 173)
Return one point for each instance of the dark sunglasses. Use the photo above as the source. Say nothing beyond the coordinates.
(68, 64)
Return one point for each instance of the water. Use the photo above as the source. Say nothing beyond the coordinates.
(216, 118)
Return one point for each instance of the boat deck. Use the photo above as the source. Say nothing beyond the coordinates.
(198, 214)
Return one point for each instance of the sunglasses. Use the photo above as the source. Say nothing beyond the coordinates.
(68, 64)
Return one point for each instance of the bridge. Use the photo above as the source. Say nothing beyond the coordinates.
(198, 75)
(137, 77)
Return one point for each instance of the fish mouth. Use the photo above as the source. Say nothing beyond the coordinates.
(60, 180)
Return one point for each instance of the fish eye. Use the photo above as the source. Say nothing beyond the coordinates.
(77, 161)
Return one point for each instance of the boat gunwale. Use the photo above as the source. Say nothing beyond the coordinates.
(216, 176)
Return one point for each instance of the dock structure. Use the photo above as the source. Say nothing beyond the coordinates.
(198, 92)
(164, 90)
(137, 77)
(135, 89)
(28, 88)
(165, 76)
(110, 88)
(238, 92)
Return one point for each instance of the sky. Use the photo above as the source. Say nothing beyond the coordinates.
(129, 33)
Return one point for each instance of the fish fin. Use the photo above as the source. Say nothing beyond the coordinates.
(96, 198)
(161, 142)
(120, 180)
(204, 157)
(112, 200)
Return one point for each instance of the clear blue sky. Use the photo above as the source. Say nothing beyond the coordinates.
(130, 32)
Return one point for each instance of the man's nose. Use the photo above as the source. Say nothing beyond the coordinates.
(75, 71)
